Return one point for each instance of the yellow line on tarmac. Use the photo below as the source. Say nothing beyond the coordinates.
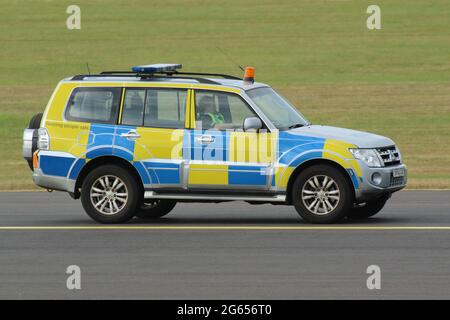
(128, 227)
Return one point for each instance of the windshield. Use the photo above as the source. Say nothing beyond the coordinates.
(280, 112)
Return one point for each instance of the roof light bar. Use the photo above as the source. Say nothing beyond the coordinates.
(155, 68)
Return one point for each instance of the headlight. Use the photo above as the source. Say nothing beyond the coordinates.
(368, 156)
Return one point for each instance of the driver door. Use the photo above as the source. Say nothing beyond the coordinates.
(224, 157)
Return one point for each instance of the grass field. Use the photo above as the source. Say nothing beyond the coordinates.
(394, 81)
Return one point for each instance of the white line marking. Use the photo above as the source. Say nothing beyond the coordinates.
(350, 228)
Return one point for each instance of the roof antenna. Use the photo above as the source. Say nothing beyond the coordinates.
(87, 66)
(229, 59)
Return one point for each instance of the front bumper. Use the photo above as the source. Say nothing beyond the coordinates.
(368, 190)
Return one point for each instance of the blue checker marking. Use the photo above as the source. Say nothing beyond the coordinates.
(161, 165)
(253, 175)
(305, 157)
(244, 167)
(76, 168)
(167, 176)
(290, 146)
(55, 166)
(98, 152)
(163, 172)
(354, 178)
(216, 151)
(100, 141)
(125, 154)
(142, 172)
(122, 144)
(101, 135)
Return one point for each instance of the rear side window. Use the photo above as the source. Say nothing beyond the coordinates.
(133, 107)
(159, 108)
(165, 108)
(94, 105)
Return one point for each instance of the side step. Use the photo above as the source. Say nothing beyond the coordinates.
(197, 196)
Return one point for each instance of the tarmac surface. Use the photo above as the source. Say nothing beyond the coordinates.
(224, 251)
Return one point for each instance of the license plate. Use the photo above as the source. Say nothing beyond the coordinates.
(400, 172)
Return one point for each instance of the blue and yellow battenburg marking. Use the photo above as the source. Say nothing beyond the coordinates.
(157, 161)
(161, 155)
(295, 149)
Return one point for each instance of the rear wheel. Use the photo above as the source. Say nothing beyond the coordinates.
(155, 209)
(368, 209)
(322, 194)
(109, 194)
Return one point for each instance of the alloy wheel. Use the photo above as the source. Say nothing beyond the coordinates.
(109, 194)
(320, 194)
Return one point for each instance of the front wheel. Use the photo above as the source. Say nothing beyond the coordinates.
(322, 194)
(155, 209)
(368, 209)
(109, 194)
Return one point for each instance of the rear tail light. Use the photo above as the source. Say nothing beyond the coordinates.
(35, 160)
(43, 139)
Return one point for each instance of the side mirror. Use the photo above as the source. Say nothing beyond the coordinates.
(252, 123)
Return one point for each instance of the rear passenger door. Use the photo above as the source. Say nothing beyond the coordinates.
(153, 120)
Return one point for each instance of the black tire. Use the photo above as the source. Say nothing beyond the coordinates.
(35, 123)
(155, 209)
(368, 209)
(127, 210)
(338, 207)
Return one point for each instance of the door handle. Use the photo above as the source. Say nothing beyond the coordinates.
(205, 139)
(131, 135)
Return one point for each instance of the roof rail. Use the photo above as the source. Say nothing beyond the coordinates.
(172, 73)
(143, 76)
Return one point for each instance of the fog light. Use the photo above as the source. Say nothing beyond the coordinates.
(376, 178)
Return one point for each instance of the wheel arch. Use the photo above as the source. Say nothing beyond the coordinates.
(313, 162)
(105, 160)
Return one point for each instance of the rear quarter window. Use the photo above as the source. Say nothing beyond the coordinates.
(98, 105)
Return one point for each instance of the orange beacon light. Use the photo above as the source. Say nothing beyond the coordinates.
(249, 75)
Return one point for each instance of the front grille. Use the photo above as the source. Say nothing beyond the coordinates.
(389, 155)
(396, 181)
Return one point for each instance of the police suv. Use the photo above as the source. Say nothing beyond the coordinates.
(134, 143)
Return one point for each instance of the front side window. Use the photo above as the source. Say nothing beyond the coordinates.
(94, 105)
(279, 111)
(220, 110)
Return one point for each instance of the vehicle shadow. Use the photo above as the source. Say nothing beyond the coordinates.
(260, 221)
